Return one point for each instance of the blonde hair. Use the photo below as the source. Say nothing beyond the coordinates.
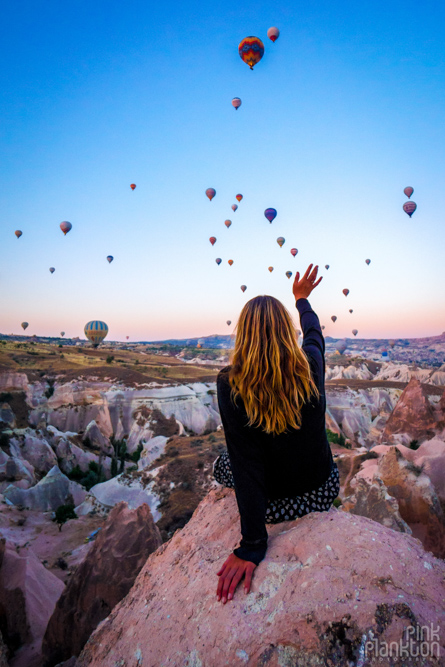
(269, 371)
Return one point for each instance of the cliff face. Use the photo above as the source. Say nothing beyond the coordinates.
(413, 415)
(330, 583)
(106, 575)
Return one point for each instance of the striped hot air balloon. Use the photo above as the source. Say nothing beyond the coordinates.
(270, 214)
(239, 197)
(409, 207)
(95, 331)
(273, 33)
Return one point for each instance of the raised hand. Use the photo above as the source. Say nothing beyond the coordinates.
(302, 288)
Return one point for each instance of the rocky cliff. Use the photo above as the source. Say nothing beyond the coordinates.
(332, 588)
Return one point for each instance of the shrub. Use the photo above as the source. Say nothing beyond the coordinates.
(336, 439)
(337, 502)
(4, 440)
(137, 454)
(109, 359)
(63, 514)
(5, 396)
(173, 451)
(60, 345)
(76, 474)
(212, 438)
(414, 444)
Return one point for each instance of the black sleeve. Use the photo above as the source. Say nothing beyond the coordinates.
(248, 475)
(313, 342)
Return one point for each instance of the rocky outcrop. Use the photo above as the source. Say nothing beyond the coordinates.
(330, 583)
(418, 502)
(13, 381)
(7, 417)
(35, 450)
(106, 575)
(372, 500)
(413, 416)
(28, 594)
(151, 451)
(133, 488)
(94, 436)
(18, 472)
(52, 491)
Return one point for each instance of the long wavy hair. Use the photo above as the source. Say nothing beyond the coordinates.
(269, 370)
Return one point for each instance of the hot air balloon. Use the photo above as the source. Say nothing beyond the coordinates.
(334, 318)
(229, 322)
(239, 197)
(345, 291)
(52, 269)
(133, 186)
(350, 310)
(273, 34)
(18, 233)
(251, 50)
(236, 103)
(294, 252)
(270, 268)
(323, 327)
(212, 240)
(391, 343)
(270, 214)
(65, 227)
(127, 337)
(326, 266)
(243, 288)
(210, 192)
(230, 262)
(408, 191)
(234, 207)
(218, 260)
(384, 353)
(281, 240)
(228, 223)
(110, 259)
(409, 207)
(341, 346)
(368, 261)
(95, 331)
(355, 332)
(288, 274)
(62, 333)
(24, 325)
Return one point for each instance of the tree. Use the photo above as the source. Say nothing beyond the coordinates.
(64, 513)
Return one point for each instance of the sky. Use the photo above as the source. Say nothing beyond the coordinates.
(344, 110)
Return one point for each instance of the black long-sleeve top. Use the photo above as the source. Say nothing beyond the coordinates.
(267, 466)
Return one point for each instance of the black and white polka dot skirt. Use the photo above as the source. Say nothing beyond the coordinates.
(286, 509)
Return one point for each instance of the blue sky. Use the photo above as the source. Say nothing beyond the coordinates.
(343, 112)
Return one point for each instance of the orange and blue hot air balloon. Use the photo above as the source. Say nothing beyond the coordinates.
(239, 197)
(270, 214)
(96, 331)
(288, 274)
(18, 233)
(251, 50)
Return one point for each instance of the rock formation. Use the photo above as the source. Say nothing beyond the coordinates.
(371, 499)
(106, 575)
(412, 417)
(330, 583)
(52, 491)
(28, 594)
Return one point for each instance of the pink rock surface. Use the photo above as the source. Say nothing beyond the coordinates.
(28, 593)
(431, 455)
(328, 581)
(413, 415)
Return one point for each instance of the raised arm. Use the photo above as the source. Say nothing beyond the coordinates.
(313, 340)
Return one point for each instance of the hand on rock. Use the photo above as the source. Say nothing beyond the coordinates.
(231, 573)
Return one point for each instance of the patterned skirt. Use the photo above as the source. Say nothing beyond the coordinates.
(286, 509)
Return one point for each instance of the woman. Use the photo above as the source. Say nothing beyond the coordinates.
(272, 404)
